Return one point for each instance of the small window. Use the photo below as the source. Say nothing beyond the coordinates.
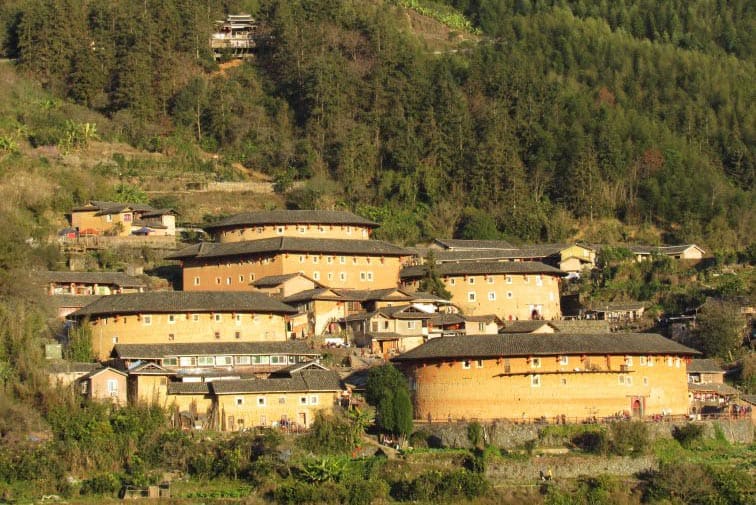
(509, 279)
(471, 280)
(171, 318)
(642, 361)
(492, 296)
(411, 325)
(466, 364)
(564, 360)
(228, 281)
(629, 380)
(217, 334)
(490, 279)
(237, 335)
(645, 381)
(535, 363)
(112, 386)
(170, 362)
(479, 363)
(525, 279)
(115, 340)
(669, 360)
(239, 402)
(251, 277)
(535, 381)
(628, 361)
(196, 281)
(313, 400)
(217, 318)
(238, 319)
(260, 401)
(282, 400)
(195, 317)
(481, 326)
(677, 362)
(342, 260)
(316, 276)
(315, 260)
(342, 276)
(171, 336)
(509, 294)
(206, 361)
(147, 320)
(302, 229)
(241, 279)
(471, 296)
(563, 381)
(330, 276)
(303, 400)
(242, 360)
(217, 280)
(329, 259)
(370, 276)
(539, 280)
(279, 230)
(650, 361)
(452, 281)
(187, 361)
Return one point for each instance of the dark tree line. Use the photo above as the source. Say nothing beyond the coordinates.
(635, 110)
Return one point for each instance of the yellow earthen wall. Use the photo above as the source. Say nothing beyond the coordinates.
(290, 230)
(88, 219)
(133, 329)
(336, 271)
(152, 389)
(198, 403)
(99, 388)
(525, 290)
(252, 414)
(447, 389)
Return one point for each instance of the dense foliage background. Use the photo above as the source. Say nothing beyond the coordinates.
(543, 117)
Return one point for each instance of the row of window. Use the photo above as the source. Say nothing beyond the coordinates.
(342, 259)
(491, 279)
(364, 276)
(301, 229)
(172, 318)
(623, 380)
(190, 361)
(565, 360)
(473, 296)
(262, 401)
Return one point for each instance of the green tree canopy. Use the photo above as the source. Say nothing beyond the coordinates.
(720, 328)
(387, 391)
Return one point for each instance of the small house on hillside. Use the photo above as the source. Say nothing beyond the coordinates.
(122, 219)
(679, 252)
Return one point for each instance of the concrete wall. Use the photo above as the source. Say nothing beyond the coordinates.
(185, 328)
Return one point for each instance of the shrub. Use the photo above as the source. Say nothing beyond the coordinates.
(102, 483)
(364, 492)
(688, 434)
(419, 439)
(330, 435)
(476, 435)
(594, 442)
(435, 486)
(629, 438)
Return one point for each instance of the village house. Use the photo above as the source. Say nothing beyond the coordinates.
(690, 252)
(510, 290)
(707, 391)
(616, 312)
(571, 258)
(329, 247)
(291, 396)
(122, 219)
(104, 384)
(547, 377)
(182, 317)
(89, 283)
(64, 373)
(281, 286)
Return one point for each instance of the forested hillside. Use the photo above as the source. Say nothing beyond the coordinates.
(550, 116)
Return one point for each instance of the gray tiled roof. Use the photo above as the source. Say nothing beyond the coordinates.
(312, 294)
(704, 366)
(72, 301)
(450, 243)
(188, 388)
(273, 280)
(157, 351)
(483, 268)
(544, 344)
(290, 244)
(304, 381)
(271, 217)
(72, 367)
(442, 319)
(184, 301)
(721, 389)
(664, 249)
(365, 295)
(104, 278)
(104, 207)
